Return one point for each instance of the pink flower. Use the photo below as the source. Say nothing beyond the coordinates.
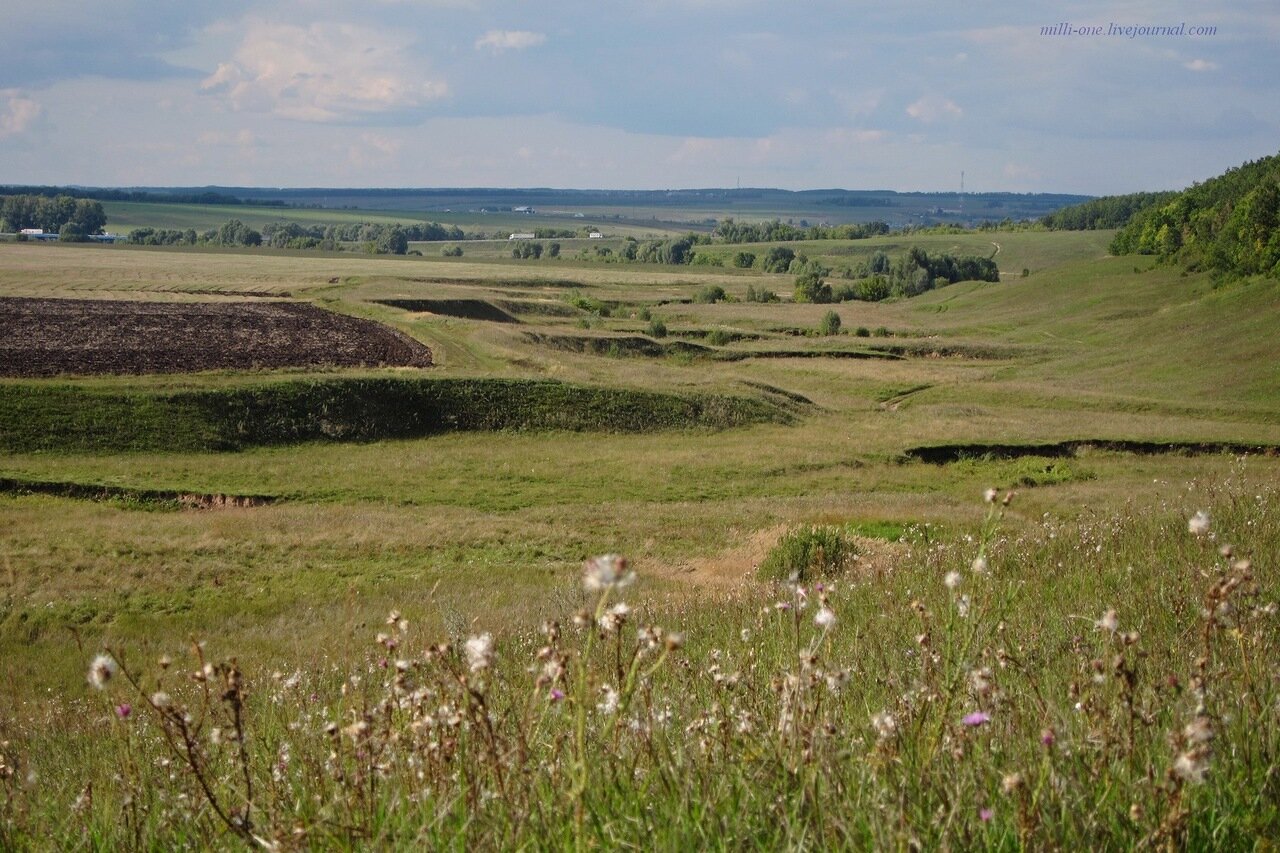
(123, 710)
(985, 815)
(556, 695)
(977, 718)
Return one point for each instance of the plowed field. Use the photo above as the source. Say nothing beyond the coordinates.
(49, 337)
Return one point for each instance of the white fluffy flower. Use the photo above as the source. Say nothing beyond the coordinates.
(101, 670)
(605, 572)
(825, 617)
(479, 651)
(1199, 523)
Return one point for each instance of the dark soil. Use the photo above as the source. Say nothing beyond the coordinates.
(468, 309)
(49, 337)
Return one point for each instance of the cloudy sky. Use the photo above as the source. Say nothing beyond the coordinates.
(645, 94)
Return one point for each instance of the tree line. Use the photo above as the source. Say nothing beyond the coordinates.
(373, 237)
(911, 274)
(72, 218)
(1100, 213)
(776, 231)
(1229, 224)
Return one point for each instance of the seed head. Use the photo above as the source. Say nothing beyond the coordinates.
(1199, 523)
(607, 572)
(479, 650)
(101, 670)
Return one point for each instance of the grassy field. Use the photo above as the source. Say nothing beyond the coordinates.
(124, 216)
(758, 728)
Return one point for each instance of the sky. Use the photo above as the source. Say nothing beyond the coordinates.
(648, 94)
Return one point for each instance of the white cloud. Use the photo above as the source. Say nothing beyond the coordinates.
(1200, 65)
(323, 72)
(17, 112)
(501, 40)
(931, 108)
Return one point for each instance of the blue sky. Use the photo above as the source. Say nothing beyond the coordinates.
(646, 94)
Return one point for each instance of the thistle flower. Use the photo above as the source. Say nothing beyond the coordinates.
(123, 710)
(101, 670)
(609, 703)
(1109, 621)
(479, 650)
(951, 579)
(607, 571)
(1198, 525)
(161, 699)
(884, 724)
(990, 495)
(825, 618)
(977, 718)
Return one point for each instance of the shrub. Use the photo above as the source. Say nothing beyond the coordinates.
(881, 332)
(719, 337)
(830, 324)
(657, 328)
(807, 553)
(451, 251)
(863, 332)
(709, 295)
(744, 260)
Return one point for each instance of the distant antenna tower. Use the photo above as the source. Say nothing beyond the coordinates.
(962, 194)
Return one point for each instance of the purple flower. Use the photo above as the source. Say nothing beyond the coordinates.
(985, 815)
(976, 719)
(123, 710)
(556, 695)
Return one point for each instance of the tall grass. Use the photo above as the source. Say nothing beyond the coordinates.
(1087, 685)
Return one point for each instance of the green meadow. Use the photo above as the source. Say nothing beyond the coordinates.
(968, 689)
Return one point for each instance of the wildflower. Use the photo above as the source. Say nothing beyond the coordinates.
(980, 680)
(123, 710)
(837, 680)
(1199, 523)
(1109, 621)
(607, 572)
(1199, 730)
(1048, 736)
(1011, 782)
(675, 641)
(951, 580)
(556, 695)
(101, 670)
(884, 724)
(825, 618)
(990, 495)
(1192, 765)
(479, 650)
(977, 718)
(985, 815)
(615, 617)
(962, 606)
(979, 565)
(161, 699)
(609, 703)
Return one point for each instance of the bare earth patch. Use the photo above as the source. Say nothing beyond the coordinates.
(737, 566)
(48, 337)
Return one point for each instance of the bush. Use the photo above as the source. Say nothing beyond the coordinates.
(657, 328)
(863, 332)
(808, 553)
(830, 324)
(744, 260)
(719, 337)
(881, 332)
(709, 295)
(451, 251)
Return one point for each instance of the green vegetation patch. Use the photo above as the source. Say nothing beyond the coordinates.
(36, 417)
(808, 553)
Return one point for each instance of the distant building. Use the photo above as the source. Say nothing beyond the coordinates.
(32, 232)
(522, 210)
(522, 235)
(595, 235)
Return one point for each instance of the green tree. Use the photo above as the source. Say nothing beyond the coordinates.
(811, 288)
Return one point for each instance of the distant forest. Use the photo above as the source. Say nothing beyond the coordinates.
(1229, 224)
